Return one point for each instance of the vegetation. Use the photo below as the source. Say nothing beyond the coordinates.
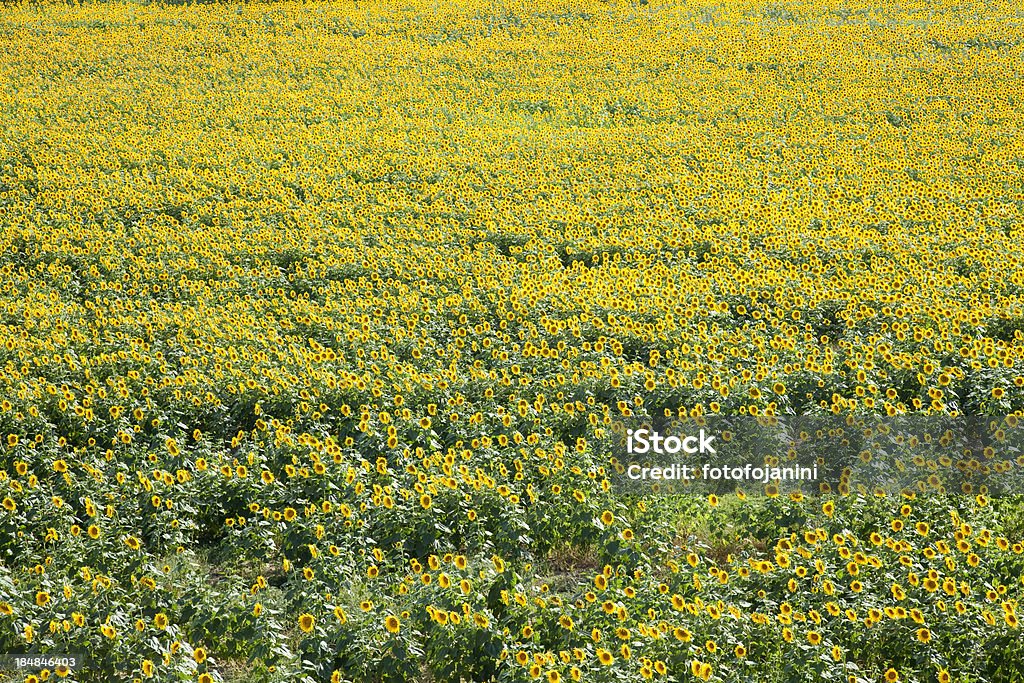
(313, 316)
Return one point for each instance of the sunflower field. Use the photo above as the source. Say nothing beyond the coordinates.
(315, 316)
